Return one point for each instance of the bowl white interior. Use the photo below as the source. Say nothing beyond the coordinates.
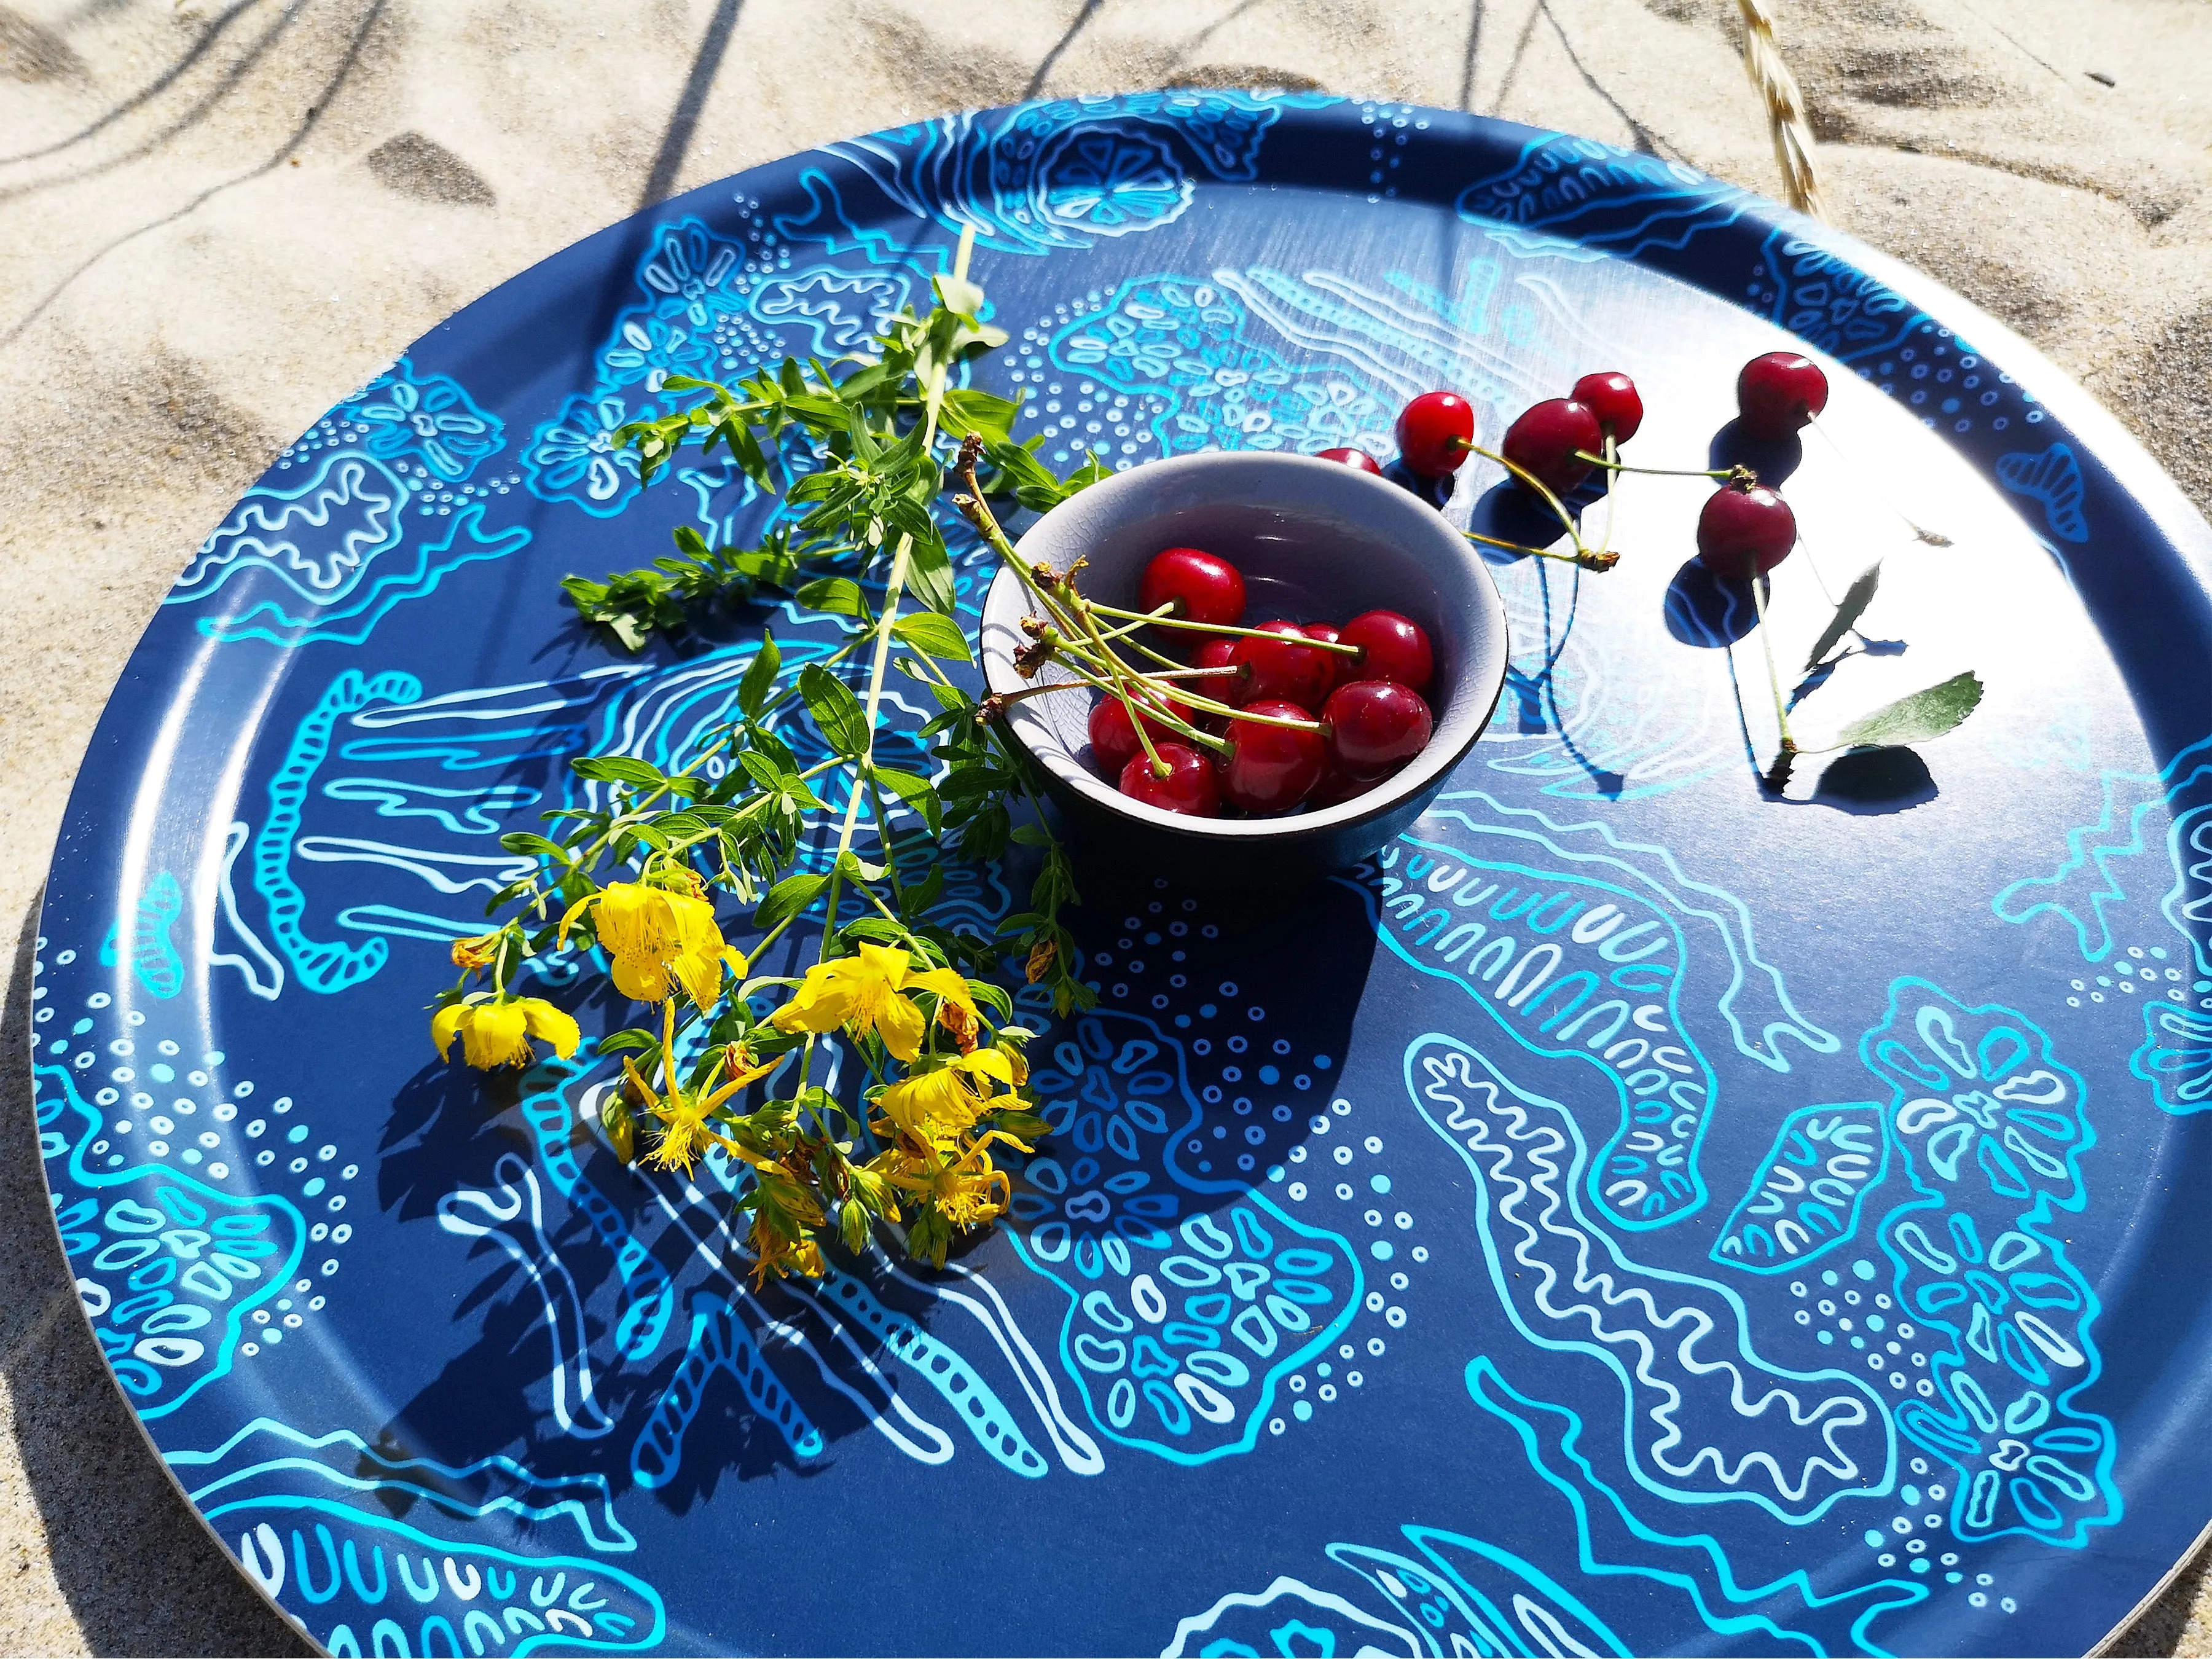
(1316, 541)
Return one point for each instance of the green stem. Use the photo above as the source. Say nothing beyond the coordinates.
(1773, 680)
(894, 589)
(1606, 460)
(1535, 483)
(1222, 628)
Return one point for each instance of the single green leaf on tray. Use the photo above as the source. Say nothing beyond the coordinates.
(618, 769)
(915, 792)
(958, 295)
(753, 690)
(788, 897)
(839, 596)
(1856, 600)
(929, 574)
(1924, 714)
(936, 635)
(835, 710)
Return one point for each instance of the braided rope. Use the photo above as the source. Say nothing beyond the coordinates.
(1785, 108)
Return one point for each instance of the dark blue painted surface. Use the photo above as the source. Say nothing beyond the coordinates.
(1480, 1252)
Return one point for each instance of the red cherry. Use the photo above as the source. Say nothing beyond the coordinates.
(1274, 668)
(1271, 768)
(1358, 458)
(1612, 397)
(1329, 634)
(1391, 647)
(1777, 393)
(1337, 787)
(1374, 725)
(1433, 432)
(1114, 737)
(1202, 588)
(1544, 438)
(1190, 786)
(1742, 534)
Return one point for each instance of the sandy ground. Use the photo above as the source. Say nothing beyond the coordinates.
(219, 216)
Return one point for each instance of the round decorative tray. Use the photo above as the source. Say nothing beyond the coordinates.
(1629, 1214)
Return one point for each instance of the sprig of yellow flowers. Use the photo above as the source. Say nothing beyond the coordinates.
(635, 876)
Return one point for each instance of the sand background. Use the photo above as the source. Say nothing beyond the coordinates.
(218, 217)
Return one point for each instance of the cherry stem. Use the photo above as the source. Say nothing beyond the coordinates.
(1158, 621)
(1118, 677)
(1586, 560)
(1612, 497)
(1534, 483)
(1725, 474)
(1127, 629)
(1773, 679)
(1920, 532)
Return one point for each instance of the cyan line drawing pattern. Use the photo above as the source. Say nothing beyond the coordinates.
(1992, 1129)
(170, 1278)
(325, 557)
(1459, 1595)
(1706, 1419)
(1609, 1534)
(1044, 178)
(2088, 891)
(1251, 1292)
(1805, 1199)
(1502, 926)
(470, 1566)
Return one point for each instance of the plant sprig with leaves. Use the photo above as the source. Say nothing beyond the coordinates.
(642, 872)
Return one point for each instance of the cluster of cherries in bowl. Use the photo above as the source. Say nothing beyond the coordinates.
(1315, 725)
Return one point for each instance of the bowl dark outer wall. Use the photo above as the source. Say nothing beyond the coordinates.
(1315, 540)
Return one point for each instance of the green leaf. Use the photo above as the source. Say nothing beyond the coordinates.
(617, 768)
(857, 868)
(633, 1039)
(929, 573)
(1032, 835)
(915, 792)
(919, 901)
(787, 898)
(762, 769)
(1856, 600)
(1088, 473)
(1924, 714)
(959, 295)
(760, 676)
(936, 635)
(838, 596)
(835, 710)
(522, 841)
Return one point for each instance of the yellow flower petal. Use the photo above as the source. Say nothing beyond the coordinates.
(494, 1034)
(884, 962)
(698, 961)
(541, 1019)
(901, 1025)
(445, 1024)
(946, 982)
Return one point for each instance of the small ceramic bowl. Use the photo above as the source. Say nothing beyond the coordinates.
(1315, 540)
